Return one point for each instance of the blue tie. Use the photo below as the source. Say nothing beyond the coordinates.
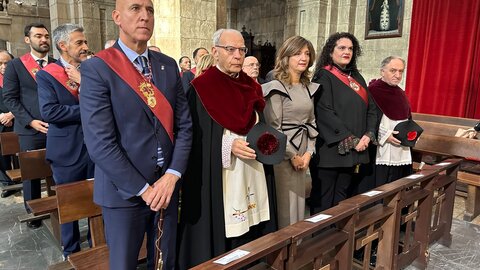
(142, 60)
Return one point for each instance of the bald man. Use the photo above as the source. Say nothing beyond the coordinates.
(132, 101)
(251, 66)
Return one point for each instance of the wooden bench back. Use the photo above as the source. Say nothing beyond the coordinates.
(326, 244)
(440, 128)
(33, 164)
(448, 145)
(75, 201)
(468, 122)
(9, 143)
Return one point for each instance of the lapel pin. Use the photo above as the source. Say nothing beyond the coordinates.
(162, 67)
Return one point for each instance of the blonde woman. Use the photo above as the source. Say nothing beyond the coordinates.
(289, 109)
(204, 63)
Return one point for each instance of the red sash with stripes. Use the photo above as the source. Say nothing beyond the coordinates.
(146, 90)
(1, 80)
(61, 76)
(349, 81)
(30, 64)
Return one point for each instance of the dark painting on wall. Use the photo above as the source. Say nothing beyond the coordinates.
(384, 18)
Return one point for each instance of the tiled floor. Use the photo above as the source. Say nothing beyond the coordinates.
(23, 248)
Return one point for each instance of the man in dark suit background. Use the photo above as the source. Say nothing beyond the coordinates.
(20, 97)
(137, 129)
(189, 75)
(58, 94)
(6, 125)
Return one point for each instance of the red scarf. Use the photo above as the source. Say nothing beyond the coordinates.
(390, 99)
(61, 76)
(30, 64)
(231, 102)
(147, 91)
(349, 81)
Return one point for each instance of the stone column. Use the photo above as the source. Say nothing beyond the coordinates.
(94, 15)
(308, 18)
(181, 26)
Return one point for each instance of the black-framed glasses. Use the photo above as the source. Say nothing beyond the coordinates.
(231, 49)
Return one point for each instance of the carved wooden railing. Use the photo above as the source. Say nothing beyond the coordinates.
(403, 218)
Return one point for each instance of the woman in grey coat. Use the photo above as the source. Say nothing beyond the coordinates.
(289, 109)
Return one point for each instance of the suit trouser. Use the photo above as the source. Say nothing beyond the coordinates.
(125, 228)
(31, 188)
(80, 170)
(336, 185)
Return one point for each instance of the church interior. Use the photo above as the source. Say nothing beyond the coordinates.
(440, 41)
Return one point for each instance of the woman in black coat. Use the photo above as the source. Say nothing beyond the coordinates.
(346, 120)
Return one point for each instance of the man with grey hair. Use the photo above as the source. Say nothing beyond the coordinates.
(58, 96)
(392, 160)
(225, 192)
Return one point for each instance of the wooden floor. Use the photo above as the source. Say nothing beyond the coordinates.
(23, 248)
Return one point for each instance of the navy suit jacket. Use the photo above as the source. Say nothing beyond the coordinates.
(121, 134)
(60, 109)
(20, 96)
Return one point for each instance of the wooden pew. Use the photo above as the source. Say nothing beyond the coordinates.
(10, 147)
(326, 244)
(34, 166)
(426, 212)
(438, 139)
(271, 247)
(378, 219)
(467, 122)
(74, 201)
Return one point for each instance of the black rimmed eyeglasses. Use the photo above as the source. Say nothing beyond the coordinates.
(231, 49)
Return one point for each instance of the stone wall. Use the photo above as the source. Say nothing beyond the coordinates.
(316, 20)
(14, 19)
(94, 16)
(266, 20)
(183, 25)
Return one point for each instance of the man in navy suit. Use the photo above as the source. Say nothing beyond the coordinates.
(58, 93)
(137, 129)
(20, 97)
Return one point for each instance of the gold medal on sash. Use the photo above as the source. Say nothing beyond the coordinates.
(34, 71)
(353, 84)
(147, 90)
(73, 85)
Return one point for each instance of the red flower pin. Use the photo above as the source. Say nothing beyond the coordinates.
(412, 135)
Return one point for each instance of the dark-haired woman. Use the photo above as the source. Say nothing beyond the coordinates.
(346, 119)
(289, 109)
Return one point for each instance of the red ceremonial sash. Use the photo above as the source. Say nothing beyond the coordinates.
(1, 80)
(147, 91)
(61, 76)
(349, 81)
(30, 64)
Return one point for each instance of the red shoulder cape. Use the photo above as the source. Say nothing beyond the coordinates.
(231, 102)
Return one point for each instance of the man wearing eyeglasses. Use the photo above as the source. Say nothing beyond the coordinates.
(225, 200)
(251, 66)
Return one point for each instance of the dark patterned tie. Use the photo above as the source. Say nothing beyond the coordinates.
(143, 61)
(40, 63)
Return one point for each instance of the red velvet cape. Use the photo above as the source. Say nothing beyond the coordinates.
(390, 99)
(231, 102)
